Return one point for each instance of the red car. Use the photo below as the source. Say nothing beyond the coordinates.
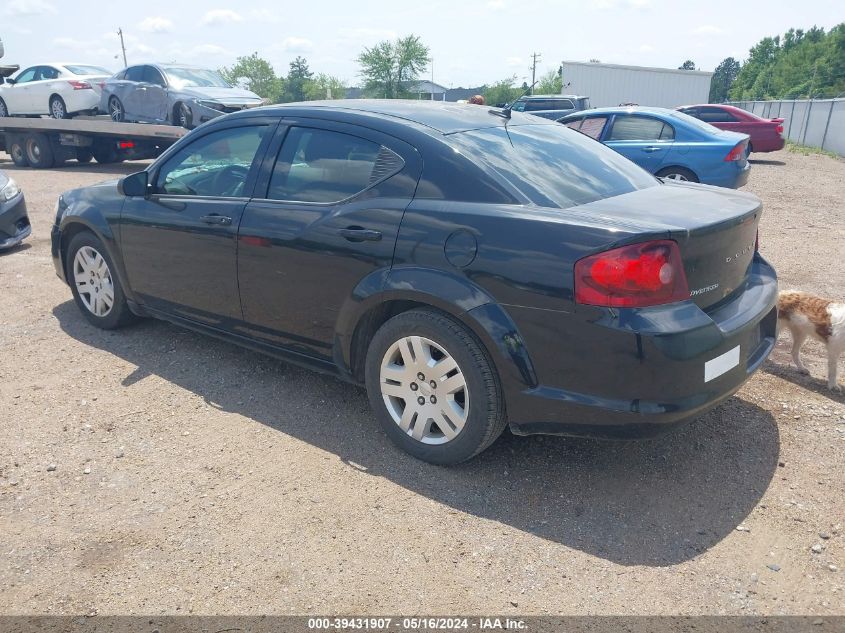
(766, 134)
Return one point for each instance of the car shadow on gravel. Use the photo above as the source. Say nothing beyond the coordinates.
(654, 502)
(760, 161)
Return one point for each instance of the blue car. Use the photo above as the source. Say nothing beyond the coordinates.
(669, 144)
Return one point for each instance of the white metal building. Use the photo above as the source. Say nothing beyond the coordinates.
(614, 84)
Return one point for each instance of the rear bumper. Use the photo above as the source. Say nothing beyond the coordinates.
(767, 144)
(14, 222)
(634, 373)
(732, 175)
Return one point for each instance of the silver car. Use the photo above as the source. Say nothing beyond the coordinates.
(171, 93)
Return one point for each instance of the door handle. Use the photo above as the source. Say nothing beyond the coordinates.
(652, 149)
(222, 220)
(359, 234)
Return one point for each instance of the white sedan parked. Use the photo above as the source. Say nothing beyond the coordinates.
(60, 90)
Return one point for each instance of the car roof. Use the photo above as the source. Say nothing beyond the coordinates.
(527, 97)
(626, 110)
(440, 116)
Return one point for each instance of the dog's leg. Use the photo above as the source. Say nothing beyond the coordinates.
(833, 352)
(798, 338)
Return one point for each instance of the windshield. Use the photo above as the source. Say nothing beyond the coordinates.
(554, 166)
(195, 78)
(88, 70)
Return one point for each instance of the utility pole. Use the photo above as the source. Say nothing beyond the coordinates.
(122, 47)
(535, 58)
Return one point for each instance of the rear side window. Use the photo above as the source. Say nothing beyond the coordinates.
(593, 126)
(716, 115)
(47, 72)
(326, 166)
(630, 127)
(135, 73)
(554, 166)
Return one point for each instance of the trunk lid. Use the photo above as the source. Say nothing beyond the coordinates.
(715, 228)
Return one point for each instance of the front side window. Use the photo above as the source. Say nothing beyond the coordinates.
(152, 76)
(26, 76)
(216, 164)
(630, 127)
(325, 166)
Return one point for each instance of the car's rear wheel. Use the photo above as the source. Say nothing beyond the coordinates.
(96, 288)
(677, 173)
(433, 387)
(39, 152)
(116, 111)
(4, 111)
(58, 109)
(182, 116)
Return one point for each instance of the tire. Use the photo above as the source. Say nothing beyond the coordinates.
(182, 116)
(39, 152)
(476, 402)
(58, 109)
(84, 155)
(4, 111)
(677, 173)
(89, 267)
(116, 110)
(104, 153)
(18, 153)
(749, 149)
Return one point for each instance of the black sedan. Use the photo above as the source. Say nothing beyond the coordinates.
(14, 222)
(474, 269)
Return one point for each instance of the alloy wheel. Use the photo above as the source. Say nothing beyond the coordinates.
(116, 110)
(57, 109)
(93, 281)
(424, 390)
(676, 176)
(3, 110)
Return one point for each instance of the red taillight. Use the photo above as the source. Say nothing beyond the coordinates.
(102, 85)
(779, 129)
(632, 276)
(80, 85)
(738, 152)
(125, 144)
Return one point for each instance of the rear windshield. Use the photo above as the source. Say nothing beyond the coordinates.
(88, 70)
(554, 166)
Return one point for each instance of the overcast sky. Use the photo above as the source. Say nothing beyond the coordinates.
(471, 41)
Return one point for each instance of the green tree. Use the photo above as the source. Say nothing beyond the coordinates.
(551, 83)
(323, 86)
(502, 91)
(687, 65)
(255, 74)
(723, 78)
(298, 76)
(388, 68)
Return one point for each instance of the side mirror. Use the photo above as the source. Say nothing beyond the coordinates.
(10, 81)
(134, 185)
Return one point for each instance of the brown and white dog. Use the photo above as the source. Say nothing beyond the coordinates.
(822, 319)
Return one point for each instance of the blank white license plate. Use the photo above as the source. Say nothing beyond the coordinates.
(721, 364)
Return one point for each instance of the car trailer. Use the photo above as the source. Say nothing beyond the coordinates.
(43, 143)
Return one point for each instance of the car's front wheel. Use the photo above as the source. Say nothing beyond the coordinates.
(96, 288)
(4, 111)
(433, 387)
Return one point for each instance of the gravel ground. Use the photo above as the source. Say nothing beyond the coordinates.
(152, 470)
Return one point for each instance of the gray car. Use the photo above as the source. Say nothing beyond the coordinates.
(172, 93)
(551, 106)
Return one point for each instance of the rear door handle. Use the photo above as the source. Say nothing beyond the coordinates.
(223, 220)
(652, 149)
(358, 234)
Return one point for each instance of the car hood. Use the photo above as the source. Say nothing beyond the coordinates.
(224, 95)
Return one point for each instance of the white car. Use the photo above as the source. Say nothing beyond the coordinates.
(60, 90)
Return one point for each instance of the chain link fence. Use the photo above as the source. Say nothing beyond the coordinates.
(814, 122)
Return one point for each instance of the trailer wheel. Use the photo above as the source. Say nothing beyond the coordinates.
(104, 153)
(39, 153)
(84, 155)
(18, 154)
